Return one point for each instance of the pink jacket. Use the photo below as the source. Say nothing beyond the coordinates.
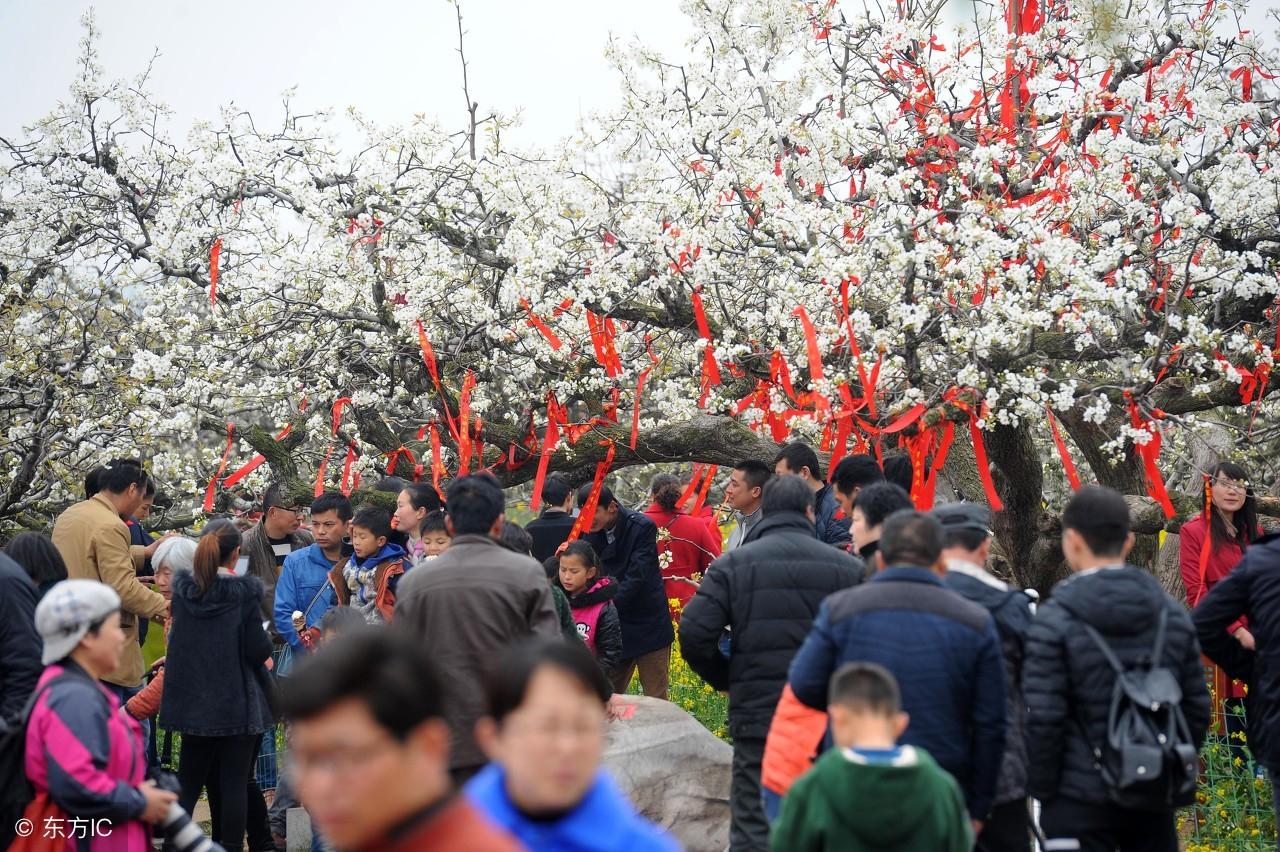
(89, 758)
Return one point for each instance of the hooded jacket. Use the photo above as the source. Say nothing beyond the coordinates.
(303, 587)
(768, 591)
(596, 621)
(847, 804)
(1253, 590)
(215, 682)
(830, 529)
(1010, 608)
(381, 572)
(1067, 682)
(604, 821)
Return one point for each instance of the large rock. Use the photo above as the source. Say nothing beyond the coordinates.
(674, 770)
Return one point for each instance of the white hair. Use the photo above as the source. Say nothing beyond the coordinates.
(176, 554)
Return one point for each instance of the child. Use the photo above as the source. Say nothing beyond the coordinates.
(340, 621)
(870, 793)
(563, 613)
(591, 602)
(433, 535)
(368, 580)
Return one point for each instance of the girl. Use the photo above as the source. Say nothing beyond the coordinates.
(216, 687)
(412, 506)
(545, 736)
(83, 755)
(591, 602)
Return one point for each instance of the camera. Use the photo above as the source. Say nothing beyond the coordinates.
(183, 834)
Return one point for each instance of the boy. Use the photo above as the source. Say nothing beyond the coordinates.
(870, 793)
(369, 578)
(434, 535)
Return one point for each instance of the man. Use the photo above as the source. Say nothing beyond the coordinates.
(850, 476)
(873, 506)
(270, 542)
(942, 649)
(475, 599)
(966, 530)
(94, 543)
(799, 459)
(370, 749)
(767, 592)
(20, 644)
(744, 494)
(1252, 587)
(304, 577)
(1068, 681)
(550, 529)
(627, 542)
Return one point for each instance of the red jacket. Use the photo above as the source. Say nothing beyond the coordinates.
(1222, 559)
(692, 548)
(455, 826)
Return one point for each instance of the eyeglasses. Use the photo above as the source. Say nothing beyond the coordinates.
(1231, 486)
(552, 728)
(340, 761)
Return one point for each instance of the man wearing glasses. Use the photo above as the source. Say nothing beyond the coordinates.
(267, 544)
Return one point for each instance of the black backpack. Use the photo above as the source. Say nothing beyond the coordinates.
(1149, 760)
(15, 790)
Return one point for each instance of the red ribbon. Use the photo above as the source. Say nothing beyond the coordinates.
(695, 475)
(939, 459)
(347, 485)
(338, 405)
(429, 359)
(464, 423)
(324, 464)
(1150, 455)
(811, 343)
(437, 467)
(709, 475)
(215, 253)
(587, 512)
(710, 369)
(213, 483)
(1205, 544)
(548, 447)
(984, 467)
(635, 411)
(536, 322)
(253, 463)
(1068, 465)
(911, 415)
(602, 333)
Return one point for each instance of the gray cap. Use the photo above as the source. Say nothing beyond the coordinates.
(963, 516)
(65, 613)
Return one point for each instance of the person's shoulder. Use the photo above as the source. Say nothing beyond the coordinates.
(302, 555)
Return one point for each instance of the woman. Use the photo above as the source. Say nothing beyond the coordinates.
(415, 503)
(686, 546)
(173, 555)
(545, 736)
(215, 690)
(1230, 520)
(39, 558)
(82, 754)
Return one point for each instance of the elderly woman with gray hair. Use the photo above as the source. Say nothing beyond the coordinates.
(173, 555)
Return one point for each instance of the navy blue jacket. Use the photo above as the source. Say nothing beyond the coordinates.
(945, 654)
(20, 644)
(831, 530)
(632, 560)
(1251, 589)
(548, 531)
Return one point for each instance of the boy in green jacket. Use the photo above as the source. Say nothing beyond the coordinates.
(869, 793)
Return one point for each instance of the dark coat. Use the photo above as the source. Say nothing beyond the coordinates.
(20, 644)
(548, 531)
(468, 605)
(632, 560)
(608, 638)
(830, 529)
(1252, 589)
(215, 679)
(945, 654)
(768, 591)
(1011, 610)
(1067, 682)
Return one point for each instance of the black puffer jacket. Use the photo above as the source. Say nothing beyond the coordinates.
(215, 679)
(1011, 610)
(607, 630)
(768, 591)
(1066, 680)
(1251, 589)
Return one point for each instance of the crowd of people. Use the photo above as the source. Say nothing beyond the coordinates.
(447, 678)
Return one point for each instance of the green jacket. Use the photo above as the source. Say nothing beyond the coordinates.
(564, 613)
(844, 804)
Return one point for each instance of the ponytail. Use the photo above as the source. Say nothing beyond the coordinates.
(666, 491)
(217, 542)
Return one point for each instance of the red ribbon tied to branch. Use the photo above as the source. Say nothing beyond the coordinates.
(213, 483)
(1150, 455)
(215, 254)
(1068, 466)
(587, 512)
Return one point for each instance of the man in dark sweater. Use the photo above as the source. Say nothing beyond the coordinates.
(943, 650)
(768, 591)
(1068, 681)
(550, 529)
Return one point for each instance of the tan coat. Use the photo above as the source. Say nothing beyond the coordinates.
(94, 543)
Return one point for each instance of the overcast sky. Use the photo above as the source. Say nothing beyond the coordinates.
(390, 58)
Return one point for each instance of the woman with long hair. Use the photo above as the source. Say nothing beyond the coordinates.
(414, 503)
(686, 545)
(216, 686)
(1210, 546)
(39, 558)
